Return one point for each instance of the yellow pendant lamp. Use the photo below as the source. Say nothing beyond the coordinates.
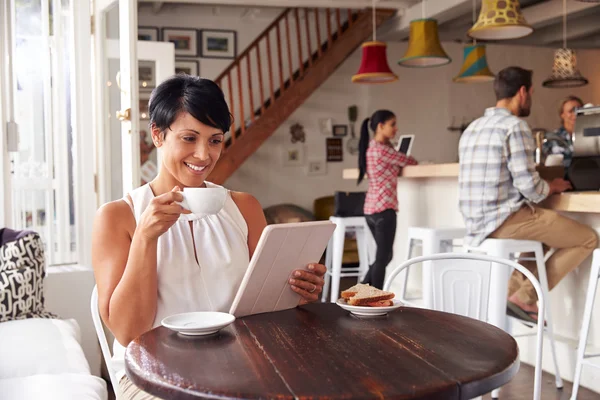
(475, 67)
(500, 20)
(424, 47)
(374, 67)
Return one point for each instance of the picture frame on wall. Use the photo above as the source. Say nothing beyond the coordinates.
(293, 156)
(147, 74)
(184, 40)
(189, 67)
(334, 149)
(316, 168)
(340, 130)
(148, 33)
(218, 43)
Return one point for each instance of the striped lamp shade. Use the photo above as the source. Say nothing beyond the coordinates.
(475, 67)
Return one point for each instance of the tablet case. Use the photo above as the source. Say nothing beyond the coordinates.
(281, 249)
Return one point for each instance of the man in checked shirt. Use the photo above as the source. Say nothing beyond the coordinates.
(499, 189)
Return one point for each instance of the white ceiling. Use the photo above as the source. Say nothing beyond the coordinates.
(454, 17)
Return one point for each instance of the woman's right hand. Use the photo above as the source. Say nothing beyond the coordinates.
(161, 214)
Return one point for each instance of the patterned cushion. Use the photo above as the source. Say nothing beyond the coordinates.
(22, 271)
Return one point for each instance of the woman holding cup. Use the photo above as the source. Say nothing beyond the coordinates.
(559, 143)
(179, 243)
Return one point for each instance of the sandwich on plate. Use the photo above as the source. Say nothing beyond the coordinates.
(367, 296)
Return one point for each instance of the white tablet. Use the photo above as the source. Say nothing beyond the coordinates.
(405, 144)
(281, 249)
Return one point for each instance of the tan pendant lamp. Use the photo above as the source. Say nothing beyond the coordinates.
(424, 47)
(475, 67)
(564, 70)
(500, 20)
(374, 67)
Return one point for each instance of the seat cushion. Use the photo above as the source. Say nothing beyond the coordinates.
(22, 271)
(40, 346)
(54, 387)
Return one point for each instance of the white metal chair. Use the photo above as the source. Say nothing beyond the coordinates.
(507, 249)
(106, 353)
(335, 252)
(432, 241)
(582, 357)
(461, 285)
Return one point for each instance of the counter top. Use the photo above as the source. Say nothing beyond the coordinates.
(583, 202)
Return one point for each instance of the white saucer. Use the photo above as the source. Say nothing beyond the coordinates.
(368, 311)
(198, 323)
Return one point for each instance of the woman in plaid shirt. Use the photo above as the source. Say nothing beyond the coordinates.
(382, 163)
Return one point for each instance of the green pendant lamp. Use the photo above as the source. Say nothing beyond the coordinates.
(424, 47)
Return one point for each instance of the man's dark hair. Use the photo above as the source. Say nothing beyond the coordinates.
(509, 81)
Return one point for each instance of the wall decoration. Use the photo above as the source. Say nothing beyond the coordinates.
(189, 67)
(326, 126)
(316, 167)
(335, 150)
(147, 74)
(293, 156)
(297, 132)
(340, 130)
(185, 40)
(148, 33)
(218, 43)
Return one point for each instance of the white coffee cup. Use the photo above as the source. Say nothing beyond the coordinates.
(553, 160)
(204, 201)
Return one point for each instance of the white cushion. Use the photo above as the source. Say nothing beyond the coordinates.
(40, 346)
(54, 387)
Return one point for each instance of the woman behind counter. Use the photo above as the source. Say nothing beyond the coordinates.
(561, 140)
(378, 159)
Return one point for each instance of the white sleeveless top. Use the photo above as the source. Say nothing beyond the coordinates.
(184, 284)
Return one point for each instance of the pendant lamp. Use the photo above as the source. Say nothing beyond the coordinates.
(500, 20)
(564, 70)
(424, 47)
(374, 67)
(475, 67)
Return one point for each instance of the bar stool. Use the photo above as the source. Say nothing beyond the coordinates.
(506, 248)
(582, 358)
(335, 252)
(433, 241)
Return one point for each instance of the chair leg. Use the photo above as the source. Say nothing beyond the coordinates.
(363, 252)
(541, 267)
(585, 325)
(327, 276)
(336, 260)
(404, 274)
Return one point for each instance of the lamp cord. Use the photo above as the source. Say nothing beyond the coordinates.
(423, 8)
(565, 24)
(374, 22)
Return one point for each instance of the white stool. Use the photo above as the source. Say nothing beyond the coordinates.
(335, 252)
(585, 324)
(506, 248)
(433, 241)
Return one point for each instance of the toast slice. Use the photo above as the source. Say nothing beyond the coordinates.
(363, 295)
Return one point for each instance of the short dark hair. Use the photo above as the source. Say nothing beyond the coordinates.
(201, 98)
(508, 82)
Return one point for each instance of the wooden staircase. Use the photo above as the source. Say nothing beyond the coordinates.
(297, 69)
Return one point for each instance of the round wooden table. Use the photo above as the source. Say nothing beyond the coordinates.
(322, 351)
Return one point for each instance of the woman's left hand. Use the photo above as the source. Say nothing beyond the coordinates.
(308, 284)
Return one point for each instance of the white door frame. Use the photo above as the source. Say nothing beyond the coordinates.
(6, 108)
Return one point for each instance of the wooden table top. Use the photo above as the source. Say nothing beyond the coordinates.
(322, 351)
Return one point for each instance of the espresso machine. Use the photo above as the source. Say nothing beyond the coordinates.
(584, 171)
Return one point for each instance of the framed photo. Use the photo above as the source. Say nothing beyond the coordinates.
(147, 74)
(217, 43)
(189, 67)
(335, 150)
(340, 130)
(326, 126)
(293, 156)
(316, 167)
(148, 33)
(185, 40)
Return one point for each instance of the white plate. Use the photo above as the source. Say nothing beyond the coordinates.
(198, 323)
(368, 311)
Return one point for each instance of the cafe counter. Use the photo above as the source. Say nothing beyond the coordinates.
(428, 196)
